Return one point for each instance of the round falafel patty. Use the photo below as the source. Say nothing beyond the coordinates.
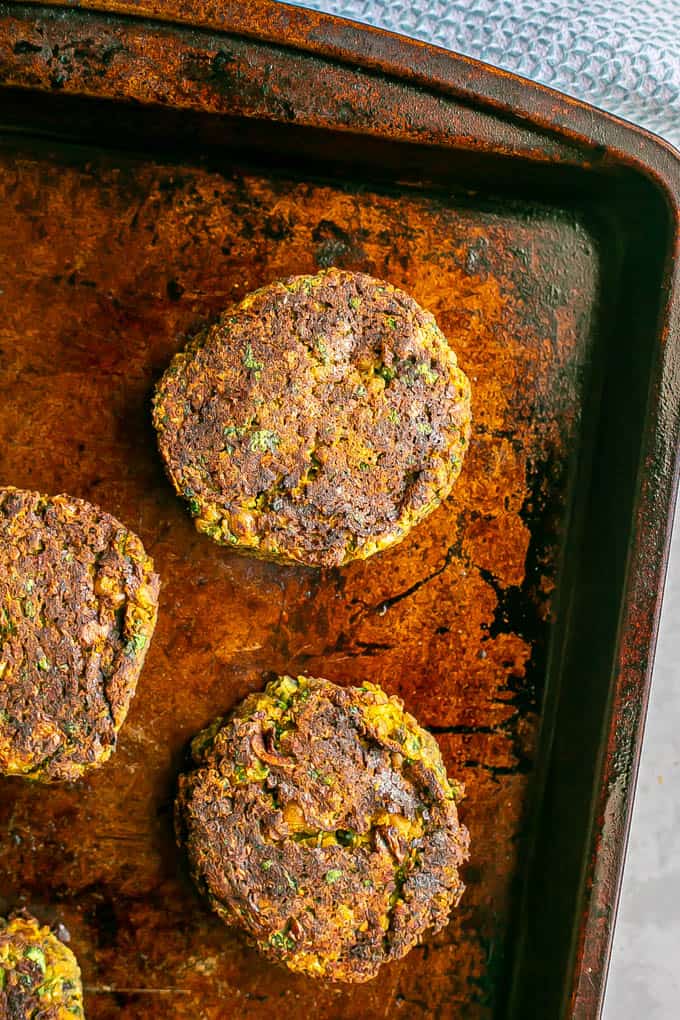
(320, 820)
(78, 603)
(39, 975)
(316, 422)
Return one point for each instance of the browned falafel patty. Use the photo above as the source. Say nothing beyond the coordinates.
(320, 820)
(78, 602)
(318, 421)
(39, 975)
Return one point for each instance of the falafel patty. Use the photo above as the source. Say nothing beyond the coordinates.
(317, 421)
(78, 603)
(39, 975)
(320, 820)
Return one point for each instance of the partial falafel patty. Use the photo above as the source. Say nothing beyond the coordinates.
(78, 603)
(39, 975)
(320, 820)
(316, 422)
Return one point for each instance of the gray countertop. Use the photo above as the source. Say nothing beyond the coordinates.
(644, 978)
(625, 58)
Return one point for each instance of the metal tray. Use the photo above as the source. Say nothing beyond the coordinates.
(161, 159)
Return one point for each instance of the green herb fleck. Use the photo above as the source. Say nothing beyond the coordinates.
(393, 416)
(135, 644)
(192, 502)
(391, 322)
(2, 979)
(386, 372)
(29, 586)
(322, 349)
(250, 362)
(363, 466)
(48, 987)
(290, 880)
(263, 441)
(36, 955)
(259, 770)
(361, 391)
(43, 663)
(424, 428)
(266, 865)
(279, 940)
(355, 302)
(240, 774)
(428, 374)
(333, 875)
(29, 609)
(412, 744)
(320, 777)
(7, 628)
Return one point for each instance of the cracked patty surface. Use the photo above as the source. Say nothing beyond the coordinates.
(318, 421)
(39, 975)
(320, 820)
(78, 603)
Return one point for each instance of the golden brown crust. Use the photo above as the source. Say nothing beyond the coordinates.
(318, 421)
(321, 821)
(39, 975)
(78, 603)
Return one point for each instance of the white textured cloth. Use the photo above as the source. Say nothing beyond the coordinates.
(621, 56)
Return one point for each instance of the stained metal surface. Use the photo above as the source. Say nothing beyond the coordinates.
(113, 249)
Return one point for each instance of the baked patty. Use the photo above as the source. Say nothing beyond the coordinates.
(320, 820)
(39, 975)
(78, 602)
(318, 421)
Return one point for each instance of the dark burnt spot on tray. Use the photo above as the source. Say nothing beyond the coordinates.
(104, 920)
(336, 246)
(220, 68)
(174, 290)
(24, 46)
(277, 227)
(221, 61)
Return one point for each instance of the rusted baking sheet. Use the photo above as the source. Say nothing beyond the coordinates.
(159, 160)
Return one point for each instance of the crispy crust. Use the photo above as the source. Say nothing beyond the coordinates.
(78, 604)
(320, 820)
(316, 422)
(39, 975)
